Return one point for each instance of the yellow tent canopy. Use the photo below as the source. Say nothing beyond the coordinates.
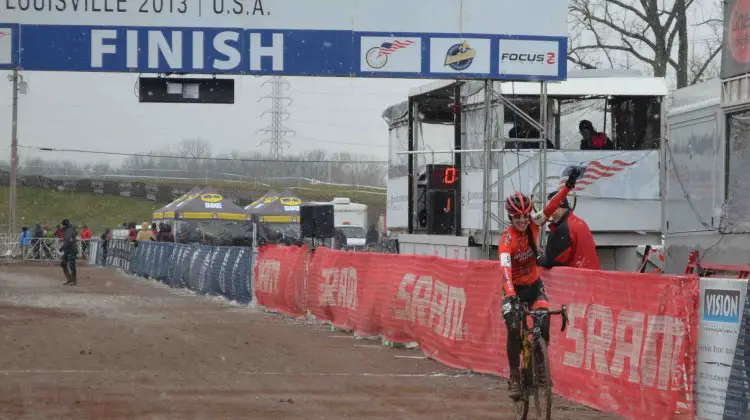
(282, 209)
(209, 204)
(167, 212)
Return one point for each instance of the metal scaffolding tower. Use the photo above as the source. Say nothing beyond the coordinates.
(276, 131)
(493, 98)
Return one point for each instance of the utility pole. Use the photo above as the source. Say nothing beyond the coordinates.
(13, 153)
(276, 131)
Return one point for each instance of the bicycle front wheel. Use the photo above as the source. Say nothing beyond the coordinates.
(521, 405)
(542, 380)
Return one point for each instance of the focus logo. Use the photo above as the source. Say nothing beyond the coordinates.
(547, 58)
(722, 306)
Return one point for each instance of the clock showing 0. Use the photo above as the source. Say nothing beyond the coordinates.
(443, 177)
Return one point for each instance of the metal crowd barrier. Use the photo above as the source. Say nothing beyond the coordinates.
(39, 250)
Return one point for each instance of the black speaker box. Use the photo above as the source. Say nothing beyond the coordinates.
(316, 220)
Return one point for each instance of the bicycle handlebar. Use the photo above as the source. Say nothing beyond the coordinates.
(563, 311)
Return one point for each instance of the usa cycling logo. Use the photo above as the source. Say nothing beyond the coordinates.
(377, 57)
(460, 56)
(595, 171)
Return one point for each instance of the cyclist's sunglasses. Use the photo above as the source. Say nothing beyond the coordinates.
(520, 216)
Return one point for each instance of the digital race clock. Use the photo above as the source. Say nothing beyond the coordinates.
(442, 177)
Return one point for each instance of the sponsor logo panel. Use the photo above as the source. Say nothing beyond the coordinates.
(459, 55)
(537, 58)
(391, 54)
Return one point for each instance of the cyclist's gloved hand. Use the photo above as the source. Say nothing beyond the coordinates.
(510, 307)
(510, 304)
(541, 261)
(574, 173)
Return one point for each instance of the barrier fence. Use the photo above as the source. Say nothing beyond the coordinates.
(630, 348)
(222, 271)
(38, 250)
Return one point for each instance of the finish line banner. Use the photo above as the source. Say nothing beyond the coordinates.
(388, 38)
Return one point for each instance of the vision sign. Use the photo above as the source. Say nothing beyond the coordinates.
(374, 38)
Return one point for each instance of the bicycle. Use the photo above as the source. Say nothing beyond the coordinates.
(535, 371)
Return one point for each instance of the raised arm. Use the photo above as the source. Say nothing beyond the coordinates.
(554, 204)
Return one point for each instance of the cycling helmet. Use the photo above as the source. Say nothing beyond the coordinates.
(518, 204)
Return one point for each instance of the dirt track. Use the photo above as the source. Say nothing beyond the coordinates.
(115, 347)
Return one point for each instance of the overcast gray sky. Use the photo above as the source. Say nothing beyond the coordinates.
(101, 112)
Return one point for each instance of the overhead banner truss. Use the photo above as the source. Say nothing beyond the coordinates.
(439, 39)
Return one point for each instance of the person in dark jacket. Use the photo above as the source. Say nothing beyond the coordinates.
(570, 243)
(592, 139)
(105, 238)
(69, 251)
(371, 238)
(165, 233)
(36, 241)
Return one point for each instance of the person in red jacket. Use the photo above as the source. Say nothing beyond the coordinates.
(85, 239)
(570, 243)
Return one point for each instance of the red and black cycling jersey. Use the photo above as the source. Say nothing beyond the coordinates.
(518, 250)
(571, 244)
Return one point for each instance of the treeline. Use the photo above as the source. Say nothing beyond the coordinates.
(192, 158)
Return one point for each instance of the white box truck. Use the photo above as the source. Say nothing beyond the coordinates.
(351, 219)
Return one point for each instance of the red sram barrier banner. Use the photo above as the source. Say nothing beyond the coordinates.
(629, 350)
(630, 347)
(279, 278)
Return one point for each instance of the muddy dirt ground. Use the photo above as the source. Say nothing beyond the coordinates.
(117, 347)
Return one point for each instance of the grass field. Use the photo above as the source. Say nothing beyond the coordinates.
(37, 205)
(374, 198)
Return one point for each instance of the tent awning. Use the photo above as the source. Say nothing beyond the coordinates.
(209, 204)
(167, 212)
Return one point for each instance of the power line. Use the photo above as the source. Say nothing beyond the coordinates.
(343, 142)
(221, 159)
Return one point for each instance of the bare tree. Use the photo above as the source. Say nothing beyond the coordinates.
(611, 33)
(192, 159)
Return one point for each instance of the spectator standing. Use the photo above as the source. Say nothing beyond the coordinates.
(571, 243)
(85, 239)
(165, 234)
(69, 251)
(132, 234)
(145, 233)
(105, 238)
(36, 242)
(371, 239)
(25, 241)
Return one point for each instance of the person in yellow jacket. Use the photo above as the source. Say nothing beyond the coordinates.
(145, 233)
